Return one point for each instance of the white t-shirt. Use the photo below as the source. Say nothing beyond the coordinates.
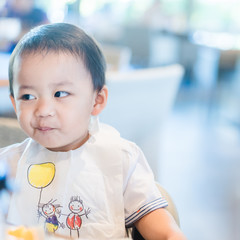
(91, 192)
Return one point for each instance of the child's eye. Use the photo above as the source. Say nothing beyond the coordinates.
(27, 97)
(60, 94)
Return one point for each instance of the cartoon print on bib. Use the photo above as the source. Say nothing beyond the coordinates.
(50, 211)
(74, 219)
(40, 176)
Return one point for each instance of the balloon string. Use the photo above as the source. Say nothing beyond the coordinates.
(40, 196)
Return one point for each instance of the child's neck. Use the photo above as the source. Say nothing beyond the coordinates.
(71, 146)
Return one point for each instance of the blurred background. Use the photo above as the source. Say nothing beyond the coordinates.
(195, 141)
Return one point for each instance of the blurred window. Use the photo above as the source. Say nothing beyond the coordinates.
(210, 15)
(216, 15)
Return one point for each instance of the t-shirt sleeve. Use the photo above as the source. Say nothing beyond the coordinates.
(141, 195)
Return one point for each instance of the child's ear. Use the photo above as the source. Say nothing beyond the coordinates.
(100, 101)
(13, 103)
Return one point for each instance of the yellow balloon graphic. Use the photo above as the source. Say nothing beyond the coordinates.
(41, 175)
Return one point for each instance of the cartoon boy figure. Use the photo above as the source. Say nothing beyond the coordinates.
(74, 220)
(49, 211)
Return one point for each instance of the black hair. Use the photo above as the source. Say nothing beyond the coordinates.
(62, 37)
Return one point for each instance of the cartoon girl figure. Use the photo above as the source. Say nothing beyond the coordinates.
(49, 211)
(74, 220)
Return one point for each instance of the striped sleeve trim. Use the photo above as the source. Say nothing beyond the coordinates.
(147, 208)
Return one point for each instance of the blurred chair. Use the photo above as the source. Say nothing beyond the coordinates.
(139, 102)
(10, 132)
(171, 208)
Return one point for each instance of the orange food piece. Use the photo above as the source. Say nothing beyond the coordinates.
(22, 233)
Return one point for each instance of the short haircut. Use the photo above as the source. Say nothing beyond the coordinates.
(62, 37)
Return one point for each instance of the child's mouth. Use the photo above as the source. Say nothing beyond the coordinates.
(45, 129)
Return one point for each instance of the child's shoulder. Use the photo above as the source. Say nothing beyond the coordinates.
(14, 149)
(12, 153)
(110, 137)
(111, 134)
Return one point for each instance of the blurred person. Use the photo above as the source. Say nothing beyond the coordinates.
(28, 15)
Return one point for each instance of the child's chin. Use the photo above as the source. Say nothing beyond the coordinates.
(51, 146)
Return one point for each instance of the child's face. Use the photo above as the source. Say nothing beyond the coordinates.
(54, 99)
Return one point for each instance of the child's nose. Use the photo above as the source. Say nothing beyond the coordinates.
(45, 108)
